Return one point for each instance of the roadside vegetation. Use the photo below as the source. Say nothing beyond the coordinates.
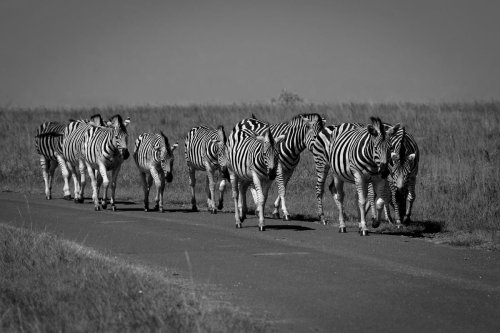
(457, 188)
(48, 284)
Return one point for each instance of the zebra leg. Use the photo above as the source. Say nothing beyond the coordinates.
(52, 169)
(337, 189)
(76, 181)
(260, 199)
(254, 196)
(65, 174)
(114, 178)
(145, 190)
(235, 192)
(105, 183)
(242, 199)
(45, 164)
(410, 200)
(282, 193)
(210, 189)
(161, 190)
(192, 183)
(321, 172)
(154, 175)
(82, 182)
(222, 189)
(362, 189)
(383, 199)
(93, 182)
(279, 181)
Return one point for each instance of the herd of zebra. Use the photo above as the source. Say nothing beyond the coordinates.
(379, 158)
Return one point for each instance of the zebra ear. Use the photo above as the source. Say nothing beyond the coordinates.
(411, 157)
(126, 122)
(372, 130)
(174, 146)
(393, 129)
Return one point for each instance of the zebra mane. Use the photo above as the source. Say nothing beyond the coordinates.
(119, 120)
(402, 148)
(42, 135)
(221, 128)
(378, 125)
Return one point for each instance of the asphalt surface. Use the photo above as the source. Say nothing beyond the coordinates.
(300, 275)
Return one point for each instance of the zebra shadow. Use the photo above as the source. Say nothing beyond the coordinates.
(414, 229)
(288, 227)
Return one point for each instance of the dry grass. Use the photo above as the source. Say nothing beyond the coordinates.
(457, 190)
(51, 285)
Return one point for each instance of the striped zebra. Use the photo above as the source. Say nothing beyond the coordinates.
(360, 156)
(204, 150)
(103, 149)
(300, 133)
(154, 158)
(251, 158)
(72, 151)
(320, 149)
(48, 144)
(403, 171)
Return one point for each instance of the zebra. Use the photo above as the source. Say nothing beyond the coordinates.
(204, 150)
(154, 158)
(251, 158)
(360, 156)
(48, 144)
(403, 171)
(320, 149)
(103, 149)
(300, 133)
(72, 151)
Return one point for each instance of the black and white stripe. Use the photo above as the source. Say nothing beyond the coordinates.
(251, 158)
(72, 151)
(154, 158)
(300, 133)
(103, 149)
(48, 144)
(204, 150)
(360, 156)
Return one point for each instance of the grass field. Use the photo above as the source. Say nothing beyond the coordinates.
(457, 188)
(48, 284)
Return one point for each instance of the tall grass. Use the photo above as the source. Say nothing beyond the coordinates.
(457, 186)
(51, 285)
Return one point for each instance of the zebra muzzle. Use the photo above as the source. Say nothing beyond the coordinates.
(169, 177)
(272, 174)
(125, 154)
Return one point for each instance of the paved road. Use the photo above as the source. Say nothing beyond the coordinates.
(303, 276)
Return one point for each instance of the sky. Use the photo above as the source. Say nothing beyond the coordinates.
(59, 53)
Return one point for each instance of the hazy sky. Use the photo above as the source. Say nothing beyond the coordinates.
(101, 52)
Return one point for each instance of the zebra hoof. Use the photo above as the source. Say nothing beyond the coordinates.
(113, 208)
(81, 200)
(262, 228)
(48, 197)
(214, 211)
(220, 206)
(146, 209)
(161, 210)
(363, 233)
(324, 221)
(67, 197)
(342, 230)
(104, 206)
(242, 218)
(406, 220)
(97, 208)
(238, 225)
(194, 209)
(286, 218)
(276, 216)
(375, 223)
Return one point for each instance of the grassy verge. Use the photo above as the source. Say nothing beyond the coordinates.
(52, 285)
(457, 186)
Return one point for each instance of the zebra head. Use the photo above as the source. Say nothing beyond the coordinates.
(381, 140)
(270, 151)
(120, 135)
(314, 124)
(221, 151)
(401, 167)
(166, 156)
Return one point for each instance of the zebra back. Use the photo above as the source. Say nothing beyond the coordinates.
(364, 149)
(248, 152)
(74, 134)
(48, 139)
(152, 150)
(204, 144)
(106, 145)
(299, 133)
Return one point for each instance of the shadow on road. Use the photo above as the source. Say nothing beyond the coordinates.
(414, 229)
